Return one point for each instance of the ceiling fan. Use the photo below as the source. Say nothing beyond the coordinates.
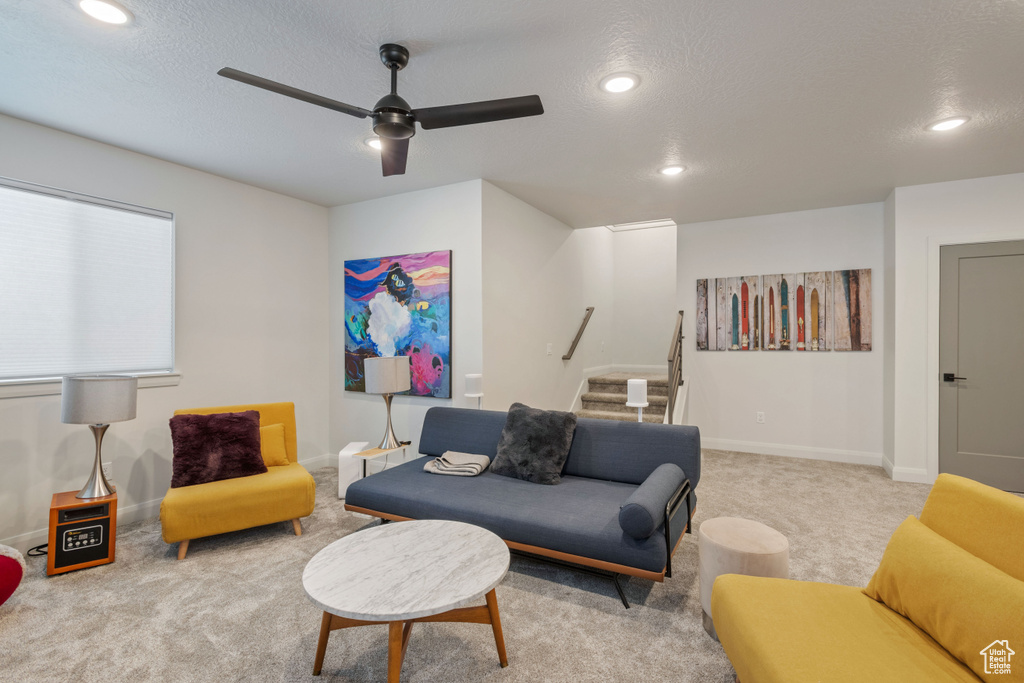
(394, 121)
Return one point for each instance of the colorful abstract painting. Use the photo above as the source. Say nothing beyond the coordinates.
(400, 306)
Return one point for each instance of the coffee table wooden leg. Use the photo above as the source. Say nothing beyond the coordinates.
(396, 649)
(499, 638)
(321, 646)
(405, 638)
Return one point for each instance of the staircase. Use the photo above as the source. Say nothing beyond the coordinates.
(606, 398)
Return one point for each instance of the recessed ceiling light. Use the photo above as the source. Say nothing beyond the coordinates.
(949, 124)
(373, 142)
(671, 170)
(619, 82)
(106, 11)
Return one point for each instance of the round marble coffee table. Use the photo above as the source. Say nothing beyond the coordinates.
(406, 572)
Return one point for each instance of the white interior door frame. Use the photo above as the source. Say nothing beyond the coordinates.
(934, 244)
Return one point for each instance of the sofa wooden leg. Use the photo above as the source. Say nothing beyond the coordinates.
(297, 526)
(182, 549)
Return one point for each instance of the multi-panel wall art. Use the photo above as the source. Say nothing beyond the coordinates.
(815, 311)
(400, 306)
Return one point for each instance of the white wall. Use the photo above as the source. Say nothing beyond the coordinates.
(822, 405)
(251, 323)
(428, 220)
(927, 217)
(644, 290)
(539, 276)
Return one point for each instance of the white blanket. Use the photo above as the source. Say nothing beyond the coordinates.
(458, 464)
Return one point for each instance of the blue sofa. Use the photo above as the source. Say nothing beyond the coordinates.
(576, 521)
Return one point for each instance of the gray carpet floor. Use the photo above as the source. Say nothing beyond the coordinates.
(235, 610)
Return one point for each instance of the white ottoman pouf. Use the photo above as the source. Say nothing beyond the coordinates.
(730, 545)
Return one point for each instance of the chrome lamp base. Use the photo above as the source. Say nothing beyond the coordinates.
(97, 486)
(390, 440)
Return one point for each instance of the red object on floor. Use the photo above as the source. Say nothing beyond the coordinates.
(12, 570)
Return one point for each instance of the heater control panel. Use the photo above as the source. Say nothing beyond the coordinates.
(82, 537)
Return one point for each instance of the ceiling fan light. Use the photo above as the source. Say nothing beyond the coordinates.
(373, 142)
(948, 124)
(671, 170)
(618, 83)
(106, 11)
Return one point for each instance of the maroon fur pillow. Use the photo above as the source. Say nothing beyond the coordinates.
(214, 447)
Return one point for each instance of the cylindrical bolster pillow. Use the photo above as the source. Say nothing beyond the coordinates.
(644, 510)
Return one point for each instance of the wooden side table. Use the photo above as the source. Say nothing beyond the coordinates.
(358, 450)
(375, 453)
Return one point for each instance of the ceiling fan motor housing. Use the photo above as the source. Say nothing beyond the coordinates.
(393, 119)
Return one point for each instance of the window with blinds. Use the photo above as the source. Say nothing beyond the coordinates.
(86, 285)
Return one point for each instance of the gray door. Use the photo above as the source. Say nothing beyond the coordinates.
(981, 363)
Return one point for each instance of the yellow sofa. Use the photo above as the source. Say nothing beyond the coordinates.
(282, 493)
(948, 586)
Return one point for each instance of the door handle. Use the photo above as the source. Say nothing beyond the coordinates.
(949, 377)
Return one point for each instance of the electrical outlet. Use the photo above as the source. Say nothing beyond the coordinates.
(108, 470)
(549, 348)
(760, 417)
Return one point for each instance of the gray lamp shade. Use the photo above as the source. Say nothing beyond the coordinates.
(388, 375)
(98, 399)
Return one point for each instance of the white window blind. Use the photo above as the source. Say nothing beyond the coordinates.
(86, 285)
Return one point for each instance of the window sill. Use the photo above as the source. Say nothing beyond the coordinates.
(48, 387)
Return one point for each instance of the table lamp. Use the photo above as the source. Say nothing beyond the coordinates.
(98, 400)
(387, 376)
(636, 396)
(475, 388)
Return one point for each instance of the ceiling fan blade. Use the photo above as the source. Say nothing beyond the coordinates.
(478, 112)
(393, 155)
(288, 91)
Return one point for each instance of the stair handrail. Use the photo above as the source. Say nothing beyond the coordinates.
(675, 366)
(583, 326)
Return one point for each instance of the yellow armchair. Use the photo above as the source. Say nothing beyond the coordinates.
(948, 593)
(282, 493)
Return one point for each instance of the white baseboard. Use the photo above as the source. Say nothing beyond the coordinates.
(129, 513)
(808, 452)
(652, 369)
(22, 542)
(913, 475)
(317, 461)
(597, 370)
(887, 465)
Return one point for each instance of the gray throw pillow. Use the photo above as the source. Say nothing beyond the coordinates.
(534, 444)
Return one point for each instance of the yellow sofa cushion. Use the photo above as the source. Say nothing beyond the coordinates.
(281, 493)
(782, 631)
(984, 521)
(961, 601)
(272, 445)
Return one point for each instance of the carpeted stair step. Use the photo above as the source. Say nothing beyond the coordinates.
(621, 417)
(616, 402)
(615, 383)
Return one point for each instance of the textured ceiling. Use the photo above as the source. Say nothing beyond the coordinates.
(771, 106)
